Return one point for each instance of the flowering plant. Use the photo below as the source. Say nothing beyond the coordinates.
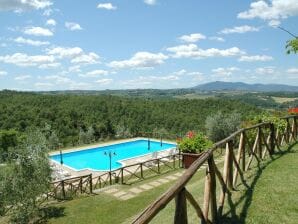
(194, 143)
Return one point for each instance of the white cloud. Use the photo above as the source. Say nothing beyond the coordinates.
(140, 60)
(47, 12)
(76, 54)
(21, 59)
(21, 40)
(51, 22)
(63, 52)
(22, 77)
(220, 39)
(274, 23)
(225, 71)
(38, 31)
(192, 51)
(75, 68)
(43, 84)
(240, 29)
(255, 58)
(50, 65)
(90, 58)
(3, 73)
(73, 26)
(95, 73)
(23, 5)
(107, 6)
(277, 10)
(265, 70)
(192, 38)
(104, 81)
(150, 2)
(58, 79)
(292, 71)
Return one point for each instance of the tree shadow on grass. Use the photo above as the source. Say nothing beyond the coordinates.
(50, 212)
(231, 215)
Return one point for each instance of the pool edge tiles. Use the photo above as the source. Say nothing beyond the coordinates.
(92, 157)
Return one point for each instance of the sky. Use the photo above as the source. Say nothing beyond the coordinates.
(127, 44)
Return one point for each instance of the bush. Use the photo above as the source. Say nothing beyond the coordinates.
(220, 126)
(194, 143)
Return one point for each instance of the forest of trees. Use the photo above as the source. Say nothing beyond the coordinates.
(68, 120)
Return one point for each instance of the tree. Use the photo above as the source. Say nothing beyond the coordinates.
(220, 126)
(292, 46)
(8, 139)
(26, 178)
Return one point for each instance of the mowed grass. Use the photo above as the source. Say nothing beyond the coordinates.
(270, 196)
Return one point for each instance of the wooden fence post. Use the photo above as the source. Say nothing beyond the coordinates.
(207, 194)
(63, 190)
(213, 203)
(260, 142)
(90, 183)
(241, 150)
(181, 208)
(142, 176)
(230, 167)
(272, 138)
(288, 129)
(81, 185)
(122, 176)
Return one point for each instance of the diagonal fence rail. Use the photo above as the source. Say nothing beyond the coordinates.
(241, 148)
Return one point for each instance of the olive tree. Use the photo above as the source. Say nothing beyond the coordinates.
(25, 179)
(220, 126)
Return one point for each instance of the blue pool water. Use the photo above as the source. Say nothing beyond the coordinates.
(96, 159)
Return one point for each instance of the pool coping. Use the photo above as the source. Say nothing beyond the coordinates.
(57, 152)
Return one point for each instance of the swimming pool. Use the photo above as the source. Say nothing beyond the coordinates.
(98, 158)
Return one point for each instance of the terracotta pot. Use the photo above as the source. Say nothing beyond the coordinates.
(189, 158)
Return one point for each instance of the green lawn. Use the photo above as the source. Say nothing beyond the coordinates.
(270, 197)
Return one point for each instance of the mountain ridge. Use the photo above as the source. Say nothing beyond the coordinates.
(241, 86)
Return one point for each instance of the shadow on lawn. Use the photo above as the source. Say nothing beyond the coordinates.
(51, 212)
(231, 216)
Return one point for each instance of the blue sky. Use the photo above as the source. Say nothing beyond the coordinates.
(125, 44)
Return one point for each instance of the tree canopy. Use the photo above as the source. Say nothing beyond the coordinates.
(292, 46)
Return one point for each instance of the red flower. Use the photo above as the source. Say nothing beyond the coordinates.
(293, 110)
(190, 134)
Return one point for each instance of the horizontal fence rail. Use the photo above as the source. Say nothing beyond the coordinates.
(241, 148)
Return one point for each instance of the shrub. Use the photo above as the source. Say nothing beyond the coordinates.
(194, 143)
(220, 126)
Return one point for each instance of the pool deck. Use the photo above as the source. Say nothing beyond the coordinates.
(74, 173)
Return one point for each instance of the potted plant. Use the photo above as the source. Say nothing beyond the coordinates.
(192, 146)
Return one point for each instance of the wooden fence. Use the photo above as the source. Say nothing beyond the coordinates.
(68, 188)
(241, 148)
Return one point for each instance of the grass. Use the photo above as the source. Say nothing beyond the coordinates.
(270, 196)
(103, 208)
(272, 193)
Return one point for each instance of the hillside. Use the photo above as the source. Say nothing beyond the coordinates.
(240, 86)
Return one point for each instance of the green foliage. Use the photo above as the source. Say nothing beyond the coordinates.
(279, 124)
(26, 177)
(195, 144)
(8, 139)
(220, 125)
(66, 115)
(292, 46)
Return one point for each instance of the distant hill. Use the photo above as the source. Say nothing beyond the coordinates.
(240, 86)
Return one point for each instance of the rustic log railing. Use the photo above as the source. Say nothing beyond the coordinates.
(70, 187)
(241, 148)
